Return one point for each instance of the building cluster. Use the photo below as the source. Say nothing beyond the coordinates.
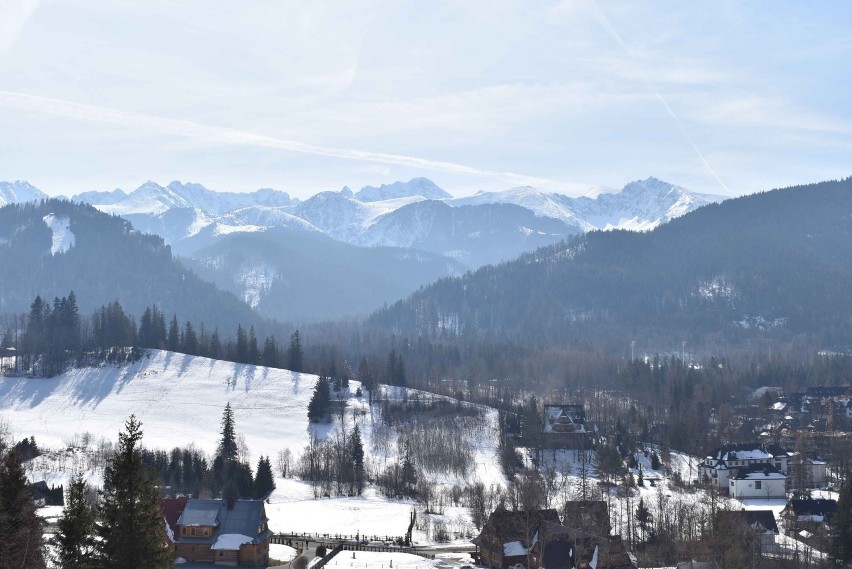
(539, 539)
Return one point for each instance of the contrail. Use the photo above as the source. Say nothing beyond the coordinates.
(221, 135)
(611, 30)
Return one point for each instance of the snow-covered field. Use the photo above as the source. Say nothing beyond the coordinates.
(180, 399)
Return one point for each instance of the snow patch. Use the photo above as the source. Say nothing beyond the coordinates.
(231, 541)
(256, 281)
(63, 237)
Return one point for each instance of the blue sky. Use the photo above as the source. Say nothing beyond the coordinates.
(720, 97)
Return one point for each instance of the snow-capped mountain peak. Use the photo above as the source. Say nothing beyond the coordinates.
(416, 187)
(19, 191)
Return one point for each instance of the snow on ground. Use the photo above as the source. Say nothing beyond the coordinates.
(292, 509)
(180, 399)
(63, 237)
(282, 553)
(382, 560)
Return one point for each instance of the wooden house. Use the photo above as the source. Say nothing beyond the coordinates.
(227, 532)
(508, 537)
(564, 426)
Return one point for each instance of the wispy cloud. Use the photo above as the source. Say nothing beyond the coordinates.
(14, 15)
(228, 136)
(604, 21)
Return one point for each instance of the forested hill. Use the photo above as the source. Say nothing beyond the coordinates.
(776, 264)
(51, 247)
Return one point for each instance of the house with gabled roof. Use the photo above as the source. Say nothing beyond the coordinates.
(565, 426)
(810, 514)
(759, 480)
(761, 522)
(227, 532)
(723, 464)
(508, 537)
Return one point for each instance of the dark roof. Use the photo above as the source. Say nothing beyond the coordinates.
(812, 507)
(200, 513)
(171, 509)
(753, 472)
(762, 521)
(507, 525)
(243, 517)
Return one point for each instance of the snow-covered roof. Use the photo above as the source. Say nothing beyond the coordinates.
(514, 548)
(231, 541)
(759, 472)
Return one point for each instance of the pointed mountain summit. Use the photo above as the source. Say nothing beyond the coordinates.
(422, 187)
(19, 191)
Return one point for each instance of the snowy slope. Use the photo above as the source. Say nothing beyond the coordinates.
(640, 205)
(417, 187)
(180, 400)
(18, 192)
(540, 203)
(152, 198)
(63, 238)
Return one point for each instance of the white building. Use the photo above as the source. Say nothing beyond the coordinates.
(723, 464)
(758, 481)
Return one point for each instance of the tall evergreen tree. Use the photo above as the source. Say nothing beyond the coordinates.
(253, 351)
(357, 452)
(264, 480)
(21, 542)
(228, 443)
(242, 355)
(841, 531)
(270, 352)
(131, 530)
(319, 405)
(75, 541)
(295, 357)
(190, 339)
(174, 335)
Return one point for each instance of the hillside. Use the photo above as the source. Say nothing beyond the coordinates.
(180, 400)
(774, 264)
(51, 247)
(295, 275)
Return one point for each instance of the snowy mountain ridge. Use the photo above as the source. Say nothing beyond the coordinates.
(410, 215)
(19, 191)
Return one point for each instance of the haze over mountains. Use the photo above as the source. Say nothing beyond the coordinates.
(272, 250)
(775, 264)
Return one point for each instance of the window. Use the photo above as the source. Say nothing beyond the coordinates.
(757, 485)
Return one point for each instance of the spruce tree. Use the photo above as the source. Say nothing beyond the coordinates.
(174, 335)
(294, 353)
(75, 541)
(270, 352)
(228, 443)
(131, 530)
(357, 451)
(318, 406)
(264, 481)
(253, 351)
(21, 541)
(841, 531)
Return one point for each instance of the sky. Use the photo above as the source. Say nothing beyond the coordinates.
(720, 97)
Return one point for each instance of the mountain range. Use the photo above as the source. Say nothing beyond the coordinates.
(388, 240)
(772, 265)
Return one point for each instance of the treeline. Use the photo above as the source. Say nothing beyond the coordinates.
(54, 336)
(189, 472)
